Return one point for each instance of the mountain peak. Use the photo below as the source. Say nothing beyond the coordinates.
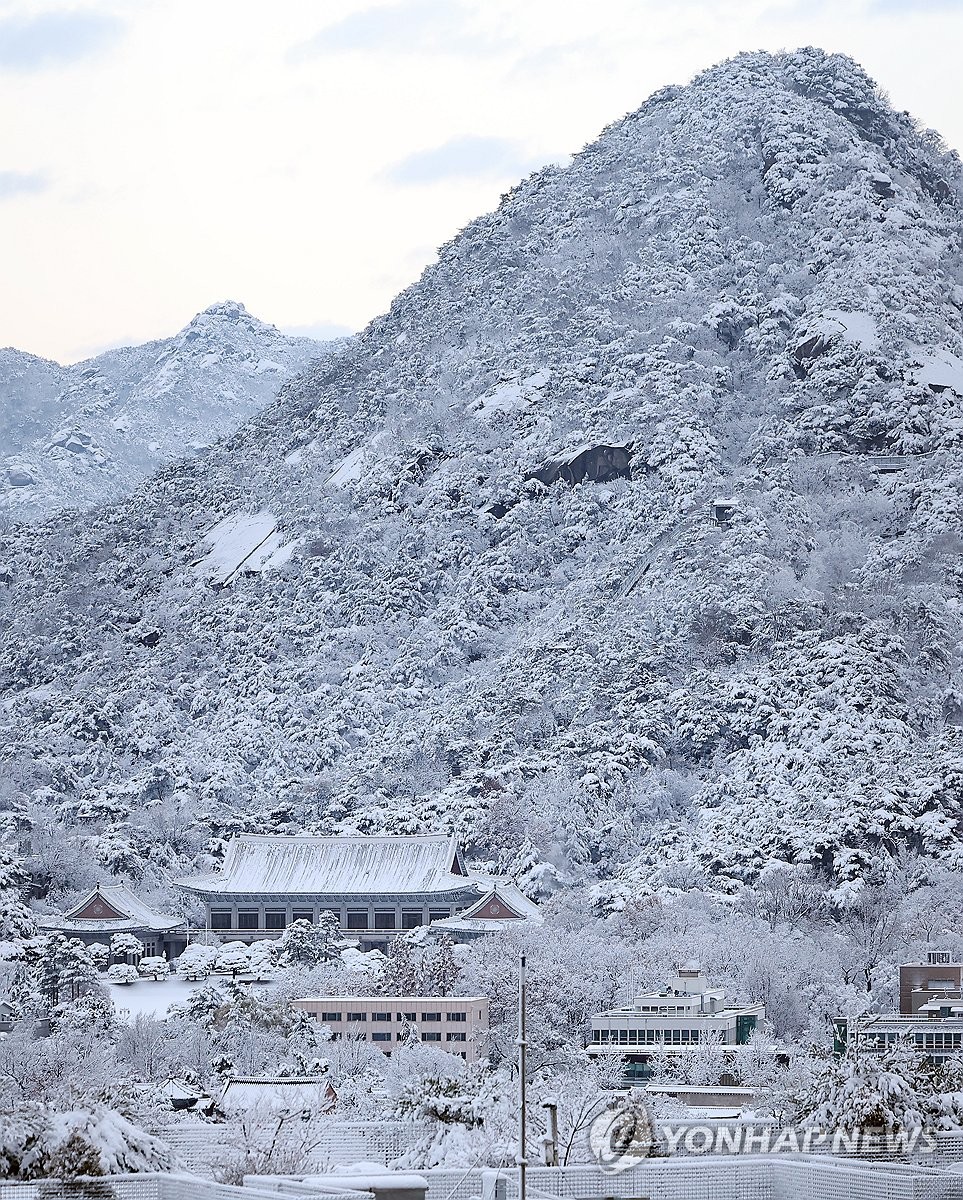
(228, 310)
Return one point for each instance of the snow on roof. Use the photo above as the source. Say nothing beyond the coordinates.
(335, 866)
(180, 1089)
(473, 919)
(242, 542)
(298, 1092)
(368, 1177)
(134, 913)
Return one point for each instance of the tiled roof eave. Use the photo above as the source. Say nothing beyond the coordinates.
(124, 925)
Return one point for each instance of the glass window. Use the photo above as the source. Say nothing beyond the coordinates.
(411, 920)
(384, 920)
(431, 1037)
(357, 1016)
(381, 1036)
(381, 1016)
(457, 1037)
(407, 1016)
(275, 920)
(303, 915)
(431, 1016)
(220, 920)
(357, 920)
(457, 1016)
(330, 1016)
(247, 920)
(438, 914)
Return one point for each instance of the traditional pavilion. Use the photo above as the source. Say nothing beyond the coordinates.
(375, 886)
(504, 904)
(116, 909)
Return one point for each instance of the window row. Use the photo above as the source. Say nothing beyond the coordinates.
(940, 1041)
(645, 1037)
(453, 1017)
(353, 919)
(386, 1036)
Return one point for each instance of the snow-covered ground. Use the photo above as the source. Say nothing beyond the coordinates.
(152, 997)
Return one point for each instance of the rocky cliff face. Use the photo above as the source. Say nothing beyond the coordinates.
(626, 543)
(81, 435)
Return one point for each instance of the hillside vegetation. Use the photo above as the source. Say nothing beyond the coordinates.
(409, 618)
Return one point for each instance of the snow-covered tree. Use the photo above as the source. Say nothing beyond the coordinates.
(127, 947)
(122, 973)
(304, 943)
(154, 967)
(197, 961)
(233, 958)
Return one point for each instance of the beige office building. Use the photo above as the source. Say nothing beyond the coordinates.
(456, 1024)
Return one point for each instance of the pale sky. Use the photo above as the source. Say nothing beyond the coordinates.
(307, 157)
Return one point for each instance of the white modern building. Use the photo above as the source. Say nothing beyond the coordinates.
(377, 887)
(688, 1012)
(453, 1023)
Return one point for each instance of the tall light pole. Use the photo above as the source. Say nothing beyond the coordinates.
(522, 1087)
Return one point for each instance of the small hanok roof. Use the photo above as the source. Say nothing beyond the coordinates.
(504, 905)
(281, 1093)
(335, 866)
(111, 909)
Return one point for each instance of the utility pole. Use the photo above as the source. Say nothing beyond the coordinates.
(522, 1086)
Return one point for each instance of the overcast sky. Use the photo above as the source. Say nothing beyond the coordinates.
(307, 157)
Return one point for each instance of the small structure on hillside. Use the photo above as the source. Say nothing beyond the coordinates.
(8, 1016)
(586, 463)
(114, 909)
(721, 510)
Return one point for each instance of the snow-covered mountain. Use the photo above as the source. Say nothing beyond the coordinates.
(626, 543)
(88, 433)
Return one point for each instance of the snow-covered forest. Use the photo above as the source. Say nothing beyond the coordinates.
(625, 545)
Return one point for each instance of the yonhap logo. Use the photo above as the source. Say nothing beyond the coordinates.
(621, 1137)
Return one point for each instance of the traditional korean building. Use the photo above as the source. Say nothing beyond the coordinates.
(375, 886)
(502, 906)
(116, 909)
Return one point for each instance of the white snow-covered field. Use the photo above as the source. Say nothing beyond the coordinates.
(152, 997)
